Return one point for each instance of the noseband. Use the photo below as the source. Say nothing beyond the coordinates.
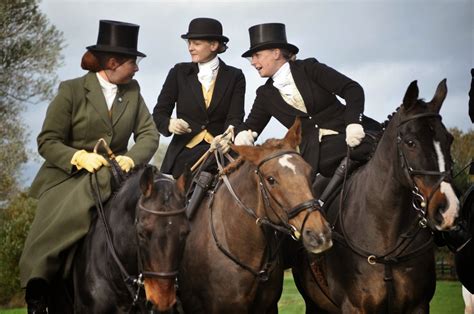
(310, 205)
(419, 202)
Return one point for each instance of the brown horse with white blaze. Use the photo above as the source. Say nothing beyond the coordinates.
(232, 261)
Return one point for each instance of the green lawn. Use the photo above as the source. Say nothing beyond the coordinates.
(447, 299)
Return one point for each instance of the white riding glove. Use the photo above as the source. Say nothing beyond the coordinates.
(178, 126)
(354, 134)
(222, 141)
(245, 137)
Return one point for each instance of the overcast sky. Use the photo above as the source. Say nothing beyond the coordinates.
(382, 44)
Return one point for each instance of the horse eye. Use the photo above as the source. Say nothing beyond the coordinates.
(271, 180)
(410, 143)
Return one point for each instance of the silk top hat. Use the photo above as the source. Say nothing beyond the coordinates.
(118, 37)
(205, 28)
(268, 36)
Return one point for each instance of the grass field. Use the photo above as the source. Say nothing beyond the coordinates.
(447, 299)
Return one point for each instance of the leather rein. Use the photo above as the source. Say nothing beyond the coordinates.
(286, 228)
(133, 283)
(388, 259)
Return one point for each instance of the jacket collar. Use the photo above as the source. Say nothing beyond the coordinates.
(222, 81)
(96, 98)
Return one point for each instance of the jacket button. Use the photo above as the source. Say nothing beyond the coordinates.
(203, 127)
(316, 126)
(310, 117)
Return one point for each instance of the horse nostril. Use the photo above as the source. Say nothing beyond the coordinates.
(313, 238)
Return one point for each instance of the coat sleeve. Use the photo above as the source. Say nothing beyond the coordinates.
(145, 135)
(258, 117)
(344, 87)
(236, 112)
(56, 130)
(166, 102)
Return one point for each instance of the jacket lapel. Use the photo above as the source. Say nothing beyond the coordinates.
(120, 103)
(196, 86)
(95, 97)
(302, 83)
(278, 100)
(222, 80)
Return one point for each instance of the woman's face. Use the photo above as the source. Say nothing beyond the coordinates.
(267, 62)
(122, 73)
(202, 50)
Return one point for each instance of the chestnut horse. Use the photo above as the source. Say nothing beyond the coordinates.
(138, 251)
(382, 260)
(232, 261)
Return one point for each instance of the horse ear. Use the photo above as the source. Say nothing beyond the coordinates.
(293, 136)
(184, 181)
(146, 181)
(411, 96)
(438, 98)
(250, 153)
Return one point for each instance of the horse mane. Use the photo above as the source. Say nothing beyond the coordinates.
(385, 124)
(270, 144)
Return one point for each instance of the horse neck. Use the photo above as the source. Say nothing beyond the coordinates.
(120, 216)
(385, 208)
(235, 219)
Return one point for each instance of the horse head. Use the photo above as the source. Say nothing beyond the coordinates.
(424, 152)
(162, 227)
(284, 180)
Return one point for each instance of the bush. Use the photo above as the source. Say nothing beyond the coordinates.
(15, 220)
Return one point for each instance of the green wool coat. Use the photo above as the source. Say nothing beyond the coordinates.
(75, 120)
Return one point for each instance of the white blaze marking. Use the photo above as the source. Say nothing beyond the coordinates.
(453, 202)
(442, 166)
(286, 163)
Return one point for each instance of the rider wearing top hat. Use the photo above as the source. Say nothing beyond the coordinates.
(104, 103)
(208, 95)
(306, 89)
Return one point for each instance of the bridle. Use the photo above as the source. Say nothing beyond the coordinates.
(176, 212)
(397, 254)
(420, 204)
(285, 227)
(134, 284)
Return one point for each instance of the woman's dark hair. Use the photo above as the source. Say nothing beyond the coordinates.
(222, 47)
(287, 55)
(97, 61)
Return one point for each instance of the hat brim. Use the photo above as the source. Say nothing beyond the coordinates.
(206, 36)
(125, 51)
(270, 45)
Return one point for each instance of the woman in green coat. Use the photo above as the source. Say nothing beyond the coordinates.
(104, 103)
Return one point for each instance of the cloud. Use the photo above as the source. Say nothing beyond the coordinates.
(383, 44)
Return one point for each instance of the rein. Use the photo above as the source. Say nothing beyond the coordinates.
(287, 228)
(419, 204)
(134, 284)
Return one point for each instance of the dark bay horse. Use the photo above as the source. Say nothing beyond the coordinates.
(232, 262)
(382, 260)
(147, 227)
(464, 258)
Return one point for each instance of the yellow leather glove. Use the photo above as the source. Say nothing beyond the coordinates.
(125, 162)
(89, 161)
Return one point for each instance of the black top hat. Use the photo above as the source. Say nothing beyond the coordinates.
(118, 37)
(268, 36)
(205, 28)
